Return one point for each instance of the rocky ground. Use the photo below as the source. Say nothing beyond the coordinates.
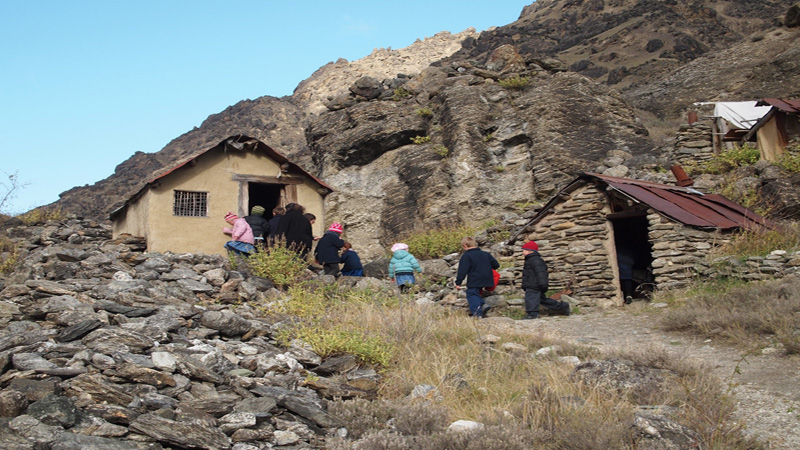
(766, 385)
(103, 346)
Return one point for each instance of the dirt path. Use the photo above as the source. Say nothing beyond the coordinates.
(766, 386)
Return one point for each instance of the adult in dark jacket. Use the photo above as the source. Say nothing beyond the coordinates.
(327, 250)
(476, 266)
(272, 224)
(535, 281)
(295, 229)
(257, 223)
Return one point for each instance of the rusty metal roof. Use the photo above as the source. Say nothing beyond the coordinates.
(685, 205)
(787, 106)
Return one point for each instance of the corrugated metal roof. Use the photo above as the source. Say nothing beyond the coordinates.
(685, 205)
(787, 106)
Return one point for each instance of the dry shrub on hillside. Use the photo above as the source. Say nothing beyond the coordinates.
(750, 316)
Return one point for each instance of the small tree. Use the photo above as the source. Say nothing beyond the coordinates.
(9, 189)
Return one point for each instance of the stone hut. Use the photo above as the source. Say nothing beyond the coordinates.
(668, 229)
(182, 210)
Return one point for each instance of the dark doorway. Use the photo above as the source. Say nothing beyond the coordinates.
(266, 195)
(634, 256)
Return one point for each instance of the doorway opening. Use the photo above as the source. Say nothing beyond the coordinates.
(634, 257)
(267, 195)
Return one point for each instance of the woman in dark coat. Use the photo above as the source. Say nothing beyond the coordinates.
(295, 229)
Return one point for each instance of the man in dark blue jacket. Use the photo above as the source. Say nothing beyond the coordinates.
(476, 266)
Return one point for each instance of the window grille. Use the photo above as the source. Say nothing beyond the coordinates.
(190, 204)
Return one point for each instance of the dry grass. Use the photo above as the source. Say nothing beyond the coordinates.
(524, 401)
(9, 255)
(750, 316)
(786, 236)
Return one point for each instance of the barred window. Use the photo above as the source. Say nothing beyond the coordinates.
(190, 204)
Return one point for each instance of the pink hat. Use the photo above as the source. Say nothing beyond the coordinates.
(530, 245)
(399, 246)
(230, 217)
(337, 227)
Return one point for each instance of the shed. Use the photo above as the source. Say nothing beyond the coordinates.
(668, 229)
(777, 128)
(182, 209)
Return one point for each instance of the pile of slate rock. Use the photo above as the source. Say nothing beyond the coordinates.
(103, 346)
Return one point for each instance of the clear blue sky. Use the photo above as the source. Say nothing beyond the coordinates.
(85, 84)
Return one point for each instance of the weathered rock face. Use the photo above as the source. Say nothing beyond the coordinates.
(489, 148)
(492, 147)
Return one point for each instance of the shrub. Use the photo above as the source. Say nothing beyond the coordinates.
(279, 264)
(424, 112)
(42, 215)
(748, 315)
(9, 255)
(437, 242)
(420, 139)
(746, 155)
(400, 94)
(790, 160)
(441, 150)
(515, 82)
(761, 242)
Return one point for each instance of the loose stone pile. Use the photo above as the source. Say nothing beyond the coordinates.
(105, 347)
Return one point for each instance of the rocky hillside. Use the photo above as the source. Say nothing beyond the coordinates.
(498, 120)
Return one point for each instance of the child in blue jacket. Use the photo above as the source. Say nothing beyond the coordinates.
(402, 267)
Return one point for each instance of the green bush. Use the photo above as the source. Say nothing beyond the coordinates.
(516, 82)
(424, 112)
(746, 155)
(420, 139)
(400, 94)
(437, 242)
(279, 264)
(790, 161)
(441, 150)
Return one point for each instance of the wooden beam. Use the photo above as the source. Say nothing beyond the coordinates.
(268, 180)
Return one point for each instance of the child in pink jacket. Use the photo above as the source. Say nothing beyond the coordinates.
(242, 239)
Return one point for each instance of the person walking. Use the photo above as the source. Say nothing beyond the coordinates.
(402, 267)
(258, 224)
(535, 281)
(476, 266)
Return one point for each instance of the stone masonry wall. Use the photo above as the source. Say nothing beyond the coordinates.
(679, 252)
(694, 144)
(573, 241)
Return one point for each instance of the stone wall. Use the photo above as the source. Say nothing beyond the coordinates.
(574, 241)
(694, 144)
(679, 252)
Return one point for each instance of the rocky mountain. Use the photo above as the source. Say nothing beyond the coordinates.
(461, 127)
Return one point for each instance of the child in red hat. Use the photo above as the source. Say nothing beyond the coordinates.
(535, 282)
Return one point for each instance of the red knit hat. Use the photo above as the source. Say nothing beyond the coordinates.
(336, 227)
(230, 217)
(530, 245)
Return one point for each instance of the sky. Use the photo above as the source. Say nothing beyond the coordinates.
(86, 84)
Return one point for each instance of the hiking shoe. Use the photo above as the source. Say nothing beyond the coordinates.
(565, 308)
(485, 309)
(530, 317)
(628, 300)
